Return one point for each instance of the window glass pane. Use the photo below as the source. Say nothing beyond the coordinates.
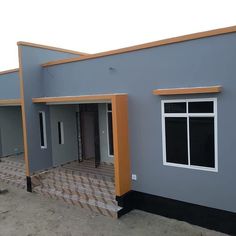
(176, 140)
(177, 107)
(202, 150)
(200, 107)
(41, 129)
(59, 132)
(110, 134)
(109, 106)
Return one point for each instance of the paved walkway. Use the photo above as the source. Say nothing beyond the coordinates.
(12, 171)
(81, 184)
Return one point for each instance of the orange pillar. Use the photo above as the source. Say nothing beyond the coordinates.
(121, 144)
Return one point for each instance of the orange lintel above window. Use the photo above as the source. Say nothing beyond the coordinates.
(190, 90)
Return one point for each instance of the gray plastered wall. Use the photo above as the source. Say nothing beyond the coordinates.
(62, 153)
(201, 62)
(68, 151)
(32, 58)
(11, 134)
(10, 86)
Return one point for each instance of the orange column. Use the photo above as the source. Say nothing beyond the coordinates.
(121, 144)
(23, 113)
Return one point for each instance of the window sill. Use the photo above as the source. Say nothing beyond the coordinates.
(191, 167)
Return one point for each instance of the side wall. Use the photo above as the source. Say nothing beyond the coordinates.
(11, 130)
(10, 86)
(30, 59)
(202, 62)
(68, 151)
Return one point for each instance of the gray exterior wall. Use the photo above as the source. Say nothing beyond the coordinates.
(201, 62)
(69, 150)
(11, 140)
(103, 134)
(62, 153)
(9, 86)
(32, 58)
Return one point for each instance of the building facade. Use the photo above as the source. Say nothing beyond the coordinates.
(161, 113)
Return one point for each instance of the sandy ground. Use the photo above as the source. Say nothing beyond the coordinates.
(27, 214)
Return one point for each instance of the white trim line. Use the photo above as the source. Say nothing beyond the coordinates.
(193, 167)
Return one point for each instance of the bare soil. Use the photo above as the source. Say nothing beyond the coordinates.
(29, 214)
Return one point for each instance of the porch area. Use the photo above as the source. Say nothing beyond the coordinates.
(12, 170)
(84, 154)
(80, 184)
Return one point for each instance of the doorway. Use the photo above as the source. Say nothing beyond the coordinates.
(88, 133)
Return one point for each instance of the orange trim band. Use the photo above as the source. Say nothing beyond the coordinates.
(10, 102)
(9, 71)
(50, 48)
(82, 98)
(193, 90)
(147, 45)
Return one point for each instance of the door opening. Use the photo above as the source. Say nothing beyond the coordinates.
(88, 133)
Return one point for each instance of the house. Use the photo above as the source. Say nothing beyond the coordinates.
(149, 127)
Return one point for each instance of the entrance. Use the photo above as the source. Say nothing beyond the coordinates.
(119, 104)
(88, 133)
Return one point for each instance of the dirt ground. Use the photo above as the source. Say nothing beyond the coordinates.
(28, 214)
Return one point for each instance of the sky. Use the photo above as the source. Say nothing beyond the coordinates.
(100, 25)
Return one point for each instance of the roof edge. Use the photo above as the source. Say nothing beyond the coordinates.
(22, 43)
(162, 42)
(9, 71)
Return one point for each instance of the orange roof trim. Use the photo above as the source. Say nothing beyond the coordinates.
(147, 45)
(9, 71)
(21, 43)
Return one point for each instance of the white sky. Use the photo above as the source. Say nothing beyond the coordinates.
(100, 25)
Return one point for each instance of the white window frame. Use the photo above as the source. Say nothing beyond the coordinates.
(108, 140)
(62, 132)
(44, 130)
(187, 115)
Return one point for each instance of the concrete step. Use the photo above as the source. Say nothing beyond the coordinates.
(92, 204)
